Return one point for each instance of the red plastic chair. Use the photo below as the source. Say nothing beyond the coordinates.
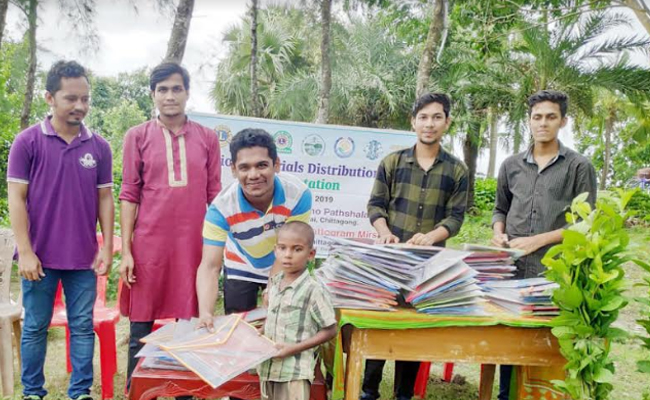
(420, 388)
(104, 321)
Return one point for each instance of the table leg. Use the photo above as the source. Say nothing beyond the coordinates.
(487, 381)
(354, 370)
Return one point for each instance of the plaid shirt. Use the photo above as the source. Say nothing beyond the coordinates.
(295, 314)
(413, 200)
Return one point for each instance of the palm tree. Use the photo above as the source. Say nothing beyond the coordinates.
(576, 59)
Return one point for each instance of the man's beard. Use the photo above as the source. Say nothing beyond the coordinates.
(430, 142)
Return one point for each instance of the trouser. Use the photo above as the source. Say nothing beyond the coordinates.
(505, 373)
(292, 390)
(405, 375)
(80, 290)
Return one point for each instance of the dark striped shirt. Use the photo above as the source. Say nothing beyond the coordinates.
(295, 314)
(531, 201)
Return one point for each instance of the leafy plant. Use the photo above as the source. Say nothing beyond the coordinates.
(587, 265)
(485, 191)
(640, 205)
(644, 365)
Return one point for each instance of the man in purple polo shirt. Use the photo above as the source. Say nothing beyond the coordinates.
(60, 182)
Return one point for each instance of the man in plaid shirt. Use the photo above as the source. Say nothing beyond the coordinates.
(419, 197)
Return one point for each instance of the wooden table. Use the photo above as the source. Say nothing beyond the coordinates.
(486, 344)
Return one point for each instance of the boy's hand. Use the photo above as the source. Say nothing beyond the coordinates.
(286, 350)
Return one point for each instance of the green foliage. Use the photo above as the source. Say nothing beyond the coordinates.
(587, 265)
(373, 73)
(644, 322)
(485, 191)
(13, 64)
(640, 205)
(119, 103)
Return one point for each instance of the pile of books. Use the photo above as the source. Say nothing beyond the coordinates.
(492, 263)
(525, 297)
(447, 285)
(372, 277)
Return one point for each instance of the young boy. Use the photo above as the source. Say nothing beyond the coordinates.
(300, 317)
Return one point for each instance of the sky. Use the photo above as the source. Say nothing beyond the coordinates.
(130, 40)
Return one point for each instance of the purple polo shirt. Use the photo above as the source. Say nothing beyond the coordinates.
(62, 198)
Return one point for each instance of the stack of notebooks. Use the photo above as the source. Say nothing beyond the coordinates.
(370, 277)
(525, 297)
(447, 285)
(491, 263)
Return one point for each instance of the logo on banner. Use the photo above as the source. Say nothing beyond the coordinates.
(313, 145)
(224, 135)
(283, 142)
(344, 147)
(373, 150)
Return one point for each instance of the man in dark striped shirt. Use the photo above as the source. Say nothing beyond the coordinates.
(419, 197)
(535, 189)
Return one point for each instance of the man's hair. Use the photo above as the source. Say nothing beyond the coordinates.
(304, 229)
(63, 69)
(251, 137)
(429, 98)
(164, 71)
(553, 96)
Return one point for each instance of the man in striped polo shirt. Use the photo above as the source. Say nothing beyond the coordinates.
(240, 226)
(535, 189)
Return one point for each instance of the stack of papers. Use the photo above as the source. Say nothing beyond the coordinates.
(525, 297)
(369, 277)
(234, 347)
(492, 263)
(447, 285)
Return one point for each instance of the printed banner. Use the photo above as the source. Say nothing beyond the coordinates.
(338, 163)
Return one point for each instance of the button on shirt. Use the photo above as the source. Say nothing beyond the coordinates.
(531, 201)
(413, 200)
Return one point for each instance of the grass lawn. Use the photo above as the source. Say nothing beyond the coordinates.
(630, 384)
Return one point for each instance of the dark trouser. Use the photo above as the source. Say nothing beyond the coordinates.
(405, 374)
(240, 296)
(505, 373)
(138, 331)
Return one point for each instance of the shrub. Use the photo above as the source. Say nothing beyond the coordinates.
(485, 191)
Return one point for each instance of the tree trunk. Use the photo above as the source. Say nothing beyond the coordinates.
(470, 155)
(517, 139)
(641, 11)
(325, 64)
(494, 141)
(609, 127)
(180, 31)
(433, 43)
(31, 71)
(253, 67)
(4, 4)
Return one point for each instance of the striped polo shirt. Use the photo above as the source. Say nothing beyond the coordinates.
(249, 234)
